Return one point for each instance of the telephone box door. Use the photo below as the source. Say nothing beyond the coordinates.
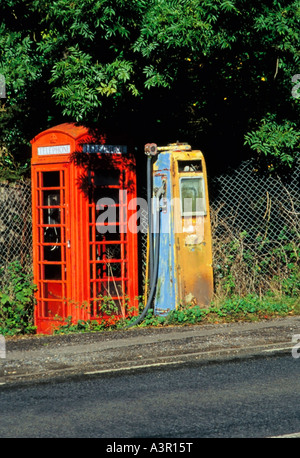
(111, 246)
(51, 236)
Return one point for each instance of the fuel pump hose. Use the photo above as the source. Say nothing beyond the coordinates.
(153, 280)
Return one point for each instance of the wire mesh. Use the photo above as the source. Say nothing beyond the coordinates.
(15, 228)
(255, 227)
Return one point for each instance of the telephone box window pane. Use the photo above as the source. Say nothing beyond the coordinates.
(52, 253)
(51, 198)
(192, 196)
(107, 252)
(51, 216)
(54, 309)
(52, 291)
(114, 289)
(109, 289)
(52, 272)
(52, 235)
(109, 269)
(51, 180)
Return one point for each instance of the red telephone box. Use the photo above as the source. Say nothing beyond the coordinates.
(84, 255)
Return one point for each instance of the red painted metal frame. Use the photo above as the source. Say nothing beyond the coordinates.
(73, 270)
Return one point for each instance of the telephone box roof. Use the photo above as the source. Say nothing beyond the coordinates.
(73, 130)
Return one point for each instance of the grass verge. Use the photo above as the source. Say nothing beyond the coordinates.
(233, 309)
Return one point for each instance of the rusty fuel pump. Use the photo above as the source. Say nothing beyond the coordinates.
(179, 237)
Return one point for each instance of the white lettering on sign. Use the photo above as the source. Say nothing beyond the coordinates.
(59, 149)
(113, 149)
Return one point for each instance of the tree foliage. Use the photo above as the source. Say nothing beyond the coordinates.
(217, 72)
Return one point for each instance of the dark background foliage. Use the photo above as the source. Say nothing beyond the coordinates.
(216, 73)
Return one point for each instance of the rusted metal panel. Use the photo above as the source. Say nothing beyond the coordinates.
(194, 253)
(166, 290)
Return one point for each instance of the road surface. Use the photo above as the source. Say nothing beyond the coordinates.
(251, 397)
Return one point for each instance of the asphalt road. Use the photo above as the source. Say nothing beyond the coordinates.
(246, 397)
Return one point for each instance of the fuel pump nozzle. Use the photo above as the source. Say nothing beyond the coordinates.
(161, 191)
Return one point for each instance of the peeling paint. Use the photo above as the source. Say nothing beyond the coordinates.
(193, 239)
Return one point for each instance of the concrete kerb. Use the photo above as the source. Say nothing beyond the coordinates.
(41, 358)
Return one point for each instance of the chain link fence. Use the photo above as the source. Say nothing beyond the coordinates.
(255, 228)
(15, 228)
